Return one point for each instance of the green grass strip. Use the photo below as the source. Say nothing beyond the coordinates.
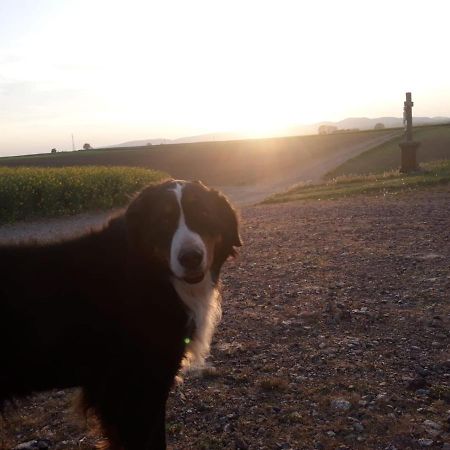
(430, 174)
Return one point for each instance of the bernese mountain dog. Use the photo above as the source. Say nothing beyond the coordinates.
(118, 310)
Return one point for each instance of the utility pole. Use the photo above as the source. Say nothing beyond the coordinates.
(409, 147)
(73, 144)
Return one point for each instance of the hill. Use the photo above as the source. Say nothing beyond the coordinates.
(223, 136)
(351, 123)
(223, 163)
(435, 144)
(364, 123)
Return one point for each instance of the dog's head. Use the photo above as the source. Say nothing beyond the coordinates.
(189, 228)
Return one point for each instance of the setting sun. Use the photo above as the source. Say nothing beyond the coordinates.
(109, 72)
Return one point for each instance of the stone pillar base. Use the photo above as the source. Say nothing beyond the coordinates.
(409, 156)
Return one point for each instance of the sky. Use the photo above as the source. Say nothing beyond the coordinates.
(112, 71)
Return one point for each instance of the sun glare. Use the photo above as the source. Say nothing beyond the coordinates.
(175, 68)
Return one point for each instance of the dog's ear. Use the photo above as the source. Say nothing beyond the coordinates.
(138, 213)
(139, 209)
(229, 225)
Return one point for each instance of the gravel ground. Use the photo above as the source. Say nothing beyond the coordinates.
(335, 335)
(51, 229)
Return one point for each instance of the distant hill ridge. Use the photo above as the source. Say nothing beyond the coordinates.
(361, 123)
(364, 123)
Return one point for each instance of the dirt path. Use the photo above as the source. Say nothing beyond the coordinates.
(335, 335)
(311, 171)
(52, 229)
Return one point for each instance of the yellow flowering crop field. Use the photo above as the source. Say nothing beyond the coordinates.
(28, 193)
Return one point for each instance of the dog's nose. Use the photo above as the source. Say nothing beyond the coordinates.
(191, 259)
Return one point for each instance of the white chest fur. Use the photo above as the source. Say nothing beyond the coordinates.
(203, 301)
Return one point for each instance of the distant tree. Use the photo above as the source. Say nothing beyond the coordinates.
(379, 126)
(87, 146)
(53, 150)
(345, 130)
(149, 144)
(327, 129)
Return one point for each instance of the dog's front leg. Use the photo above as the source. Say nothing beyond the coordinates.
(146, 432)
(132, 416)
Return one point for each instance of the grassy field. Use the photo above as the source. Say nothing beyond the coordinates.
(435, 145)
(431, 174)
(216, 163)
(28, 193)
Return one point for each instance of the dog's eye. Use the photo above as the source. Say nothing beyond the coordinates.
(167, 216)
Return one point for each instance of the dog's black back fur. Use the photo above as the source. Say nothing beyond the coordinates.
(93, 312)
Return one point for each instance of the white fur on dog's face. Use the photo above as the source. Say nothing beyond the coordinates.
(200, 296)
(185, 240)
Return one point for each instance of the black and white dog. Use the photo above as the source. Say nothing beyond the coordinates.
(118, 310)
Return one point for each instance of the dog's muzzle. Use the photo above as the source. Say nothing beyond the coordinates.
(191, 261)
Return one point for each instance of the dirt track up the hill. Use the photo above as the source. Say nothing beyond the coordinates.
(335, 335)
(312, 170)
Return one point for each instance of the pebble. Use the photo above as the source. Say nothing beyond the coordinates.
(341, 404)
(430, 256)
(432, 424)
(27, 445)
(423, 392)
(434, 429)
(425, 442)
(41, 444)
(381, 398)
(423, 372)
